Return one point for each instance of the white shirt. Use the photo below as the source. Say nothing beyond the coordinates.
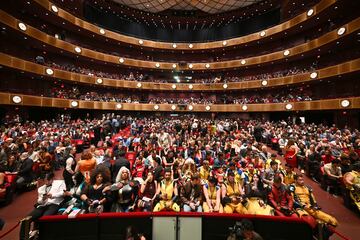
(57, 191)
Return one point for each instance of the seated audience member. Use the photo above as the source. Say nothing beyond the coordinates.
(304, 201)
(288, 174)
(50, 196)
(25, 175)
(124, 192)
(314, 161)
(168, 193)
(138, 169)
(250, 172)
(256, 196)
(212, 194)
(352, 182)
(272, 158)
(270, 173)
(12, 165)
(333, 175)
(191, 195)
(147, 193)
(232, 193)
(73, 195)
(120, 162)
(280, 199)
(204, 171)
(94, 194)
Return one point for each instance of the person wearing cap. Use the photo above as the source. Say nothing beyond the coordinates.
(232, 192)
(25, 171)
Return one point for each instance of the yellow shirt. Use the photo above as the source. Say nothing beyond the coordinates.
(168, 188)
(204, 174)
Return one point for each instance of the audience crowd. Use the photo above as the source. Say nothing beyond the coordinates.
(123, 164)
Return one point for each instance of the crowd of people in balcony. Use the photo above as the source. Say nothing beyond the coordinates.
(180, 164)
(136, 76)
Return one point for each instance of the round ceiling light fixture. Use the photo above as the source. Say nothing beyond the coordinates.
(191, 107)
(224, 43)
(289, 106)
(121, 60)
(207, 65)
(207, 108)
(77, 49)
(264, 82)
(74, 104)
(118, 106)
(262, 33)
(191, 45)
(141, 42)
(286, 52)
(99, 81)
(49, 71)
(139, 85)
(341, 31)
(243, 61)
(191, 86)
(244, 107)
(313, 75)
(345, 103)
(22, 26)
(173, 86)
(174, 65)
(191, 66)
(225, 86)
(310, 12)
(173, 107)
(16, 99)
(102, 31)
(156, 107)
(174, 45)
(157, 65)
(54, 8)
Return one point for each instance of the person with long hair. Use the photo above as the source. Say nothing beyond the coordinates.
(212, 194)
(147, 193)
(256, 197)
(291, 151)
(93, 194)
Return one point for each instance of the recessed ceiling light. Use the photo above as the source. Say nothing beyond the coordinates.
(243, 61)
(99, 81)
(118, 106)
(141, 42)
(207, 108)
(190, 65)
(173, 107)
(207, 65)
(102, 31)
(191, 86)
(16, 99)
(139, 85)
(174, 45)
(286, 52)
(174, 65)
(22, 26)
(244, 107)
(191, 107)
(191, 45)
(121, 60)
(313, 75)
(173, 86)
(156, 107)
(262, 34)
(345, 103)
(49, 71)
(157, 65)
(264, 82)
(78, 49)
(289, 106)
(225, 86)
(341, 31)
(310, 12)
(74, 103)
(224, 43)
(54, 8)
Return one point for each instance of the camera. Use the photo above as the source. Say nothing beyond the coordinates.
(236, 232)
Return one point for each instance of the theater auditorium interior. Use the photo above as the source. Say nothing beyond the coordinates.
(180, 119)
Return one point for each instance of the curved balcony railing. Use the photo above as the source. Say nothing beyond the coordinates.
(320, 74)
(267, 33)
(36, 101)
(325, 39)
